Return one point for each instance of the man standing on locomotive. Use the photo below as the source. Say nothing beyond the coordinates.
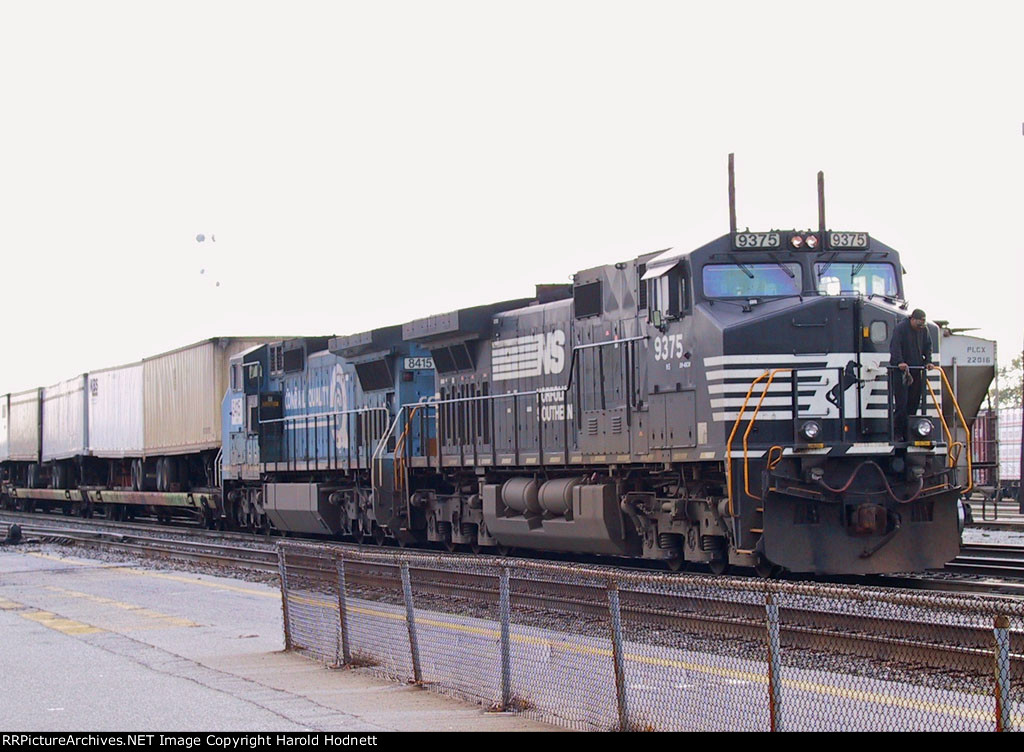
(911, 351)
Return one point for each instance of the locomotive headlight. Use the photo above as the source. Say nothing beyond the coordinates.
(810, 430)
(812, 241)
(923, 428)
(796, 241)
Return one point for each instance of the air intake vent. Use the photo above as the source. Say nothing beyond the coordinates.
(592, 426)
(617, 424)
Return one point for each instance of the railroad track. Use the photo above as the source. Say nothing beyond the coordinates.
(1003, 565)
(992, 569)
(930, 645)
(989, 559)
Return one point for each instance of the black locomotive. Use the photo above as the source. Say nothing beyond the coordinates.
(723, 405)
(726, 405)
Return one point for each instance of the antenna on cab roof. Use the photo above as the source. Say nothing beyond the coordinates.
(821, 205)
(732, 197)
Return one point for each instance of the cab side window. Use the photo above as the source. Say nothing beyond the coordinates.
(669, 294)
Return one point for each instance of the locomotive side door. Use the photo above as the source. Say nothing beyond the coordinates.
(601, 391)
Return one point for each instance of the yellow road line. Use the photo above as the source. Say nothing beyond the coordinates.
(161, 576)
(203, 583)
(6, 605)
(175, 621)
(59, 623)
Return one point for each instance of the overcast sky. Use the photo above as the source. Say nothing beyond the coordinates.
(363, 164)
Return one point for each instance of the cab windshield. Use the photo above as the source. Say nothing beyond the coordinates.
(853, 278)
(744, 280)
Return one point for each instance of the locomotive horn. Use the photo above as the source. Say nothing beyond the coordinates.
(821, 204)
(732, 197)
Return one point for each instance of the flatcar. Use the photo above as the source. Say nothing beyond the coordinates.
(726, 405)
(143, 435)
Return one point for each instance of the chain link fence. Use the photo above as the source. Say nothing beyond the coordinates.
(595, 648)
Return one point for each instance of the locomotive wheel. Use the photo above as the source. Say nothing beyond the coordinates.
(718, 566)
(677, 564)
(378, 535)
(765, 569)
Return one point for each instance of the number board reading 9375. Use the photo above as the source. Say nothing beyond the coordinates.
(854, 240)
(751, 240)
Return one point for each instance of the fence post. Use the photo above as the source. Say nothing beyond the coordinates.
(620, 675)
(346, 654)
(774, 667)
(1002, 656)
(504, 603)
(410, 620)
(282, 574)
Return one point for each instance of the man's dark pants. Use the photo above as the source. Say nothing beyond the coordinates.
(907, 400)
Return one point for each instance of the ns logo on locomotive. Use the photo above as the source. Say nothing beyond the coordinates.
(732, 404)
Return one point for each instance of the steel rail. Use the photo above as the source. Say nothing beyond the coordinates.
(910, 642)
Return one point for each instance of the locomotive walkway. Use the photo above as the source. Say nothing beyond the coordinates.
(92, 646)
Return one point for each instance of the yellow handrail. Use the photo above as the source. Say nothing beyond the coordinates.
(942, 418)
(399, 467)
(750, 427)
(963, 422)
(732, 434)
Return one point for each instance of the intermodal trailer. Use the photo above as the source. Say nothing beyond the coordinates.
(64, 420)
(24, 416)
(115, 412)
(20, 437)
(5, 447)
(182, 394)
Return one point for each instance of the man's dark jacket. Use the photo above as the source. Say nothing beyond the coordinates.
(909, 346)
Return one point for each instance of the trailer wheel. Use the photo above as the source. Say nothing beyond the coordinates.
(33, 475)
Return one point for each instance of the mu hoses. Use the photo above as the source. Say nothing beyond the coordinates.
(888, 489)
